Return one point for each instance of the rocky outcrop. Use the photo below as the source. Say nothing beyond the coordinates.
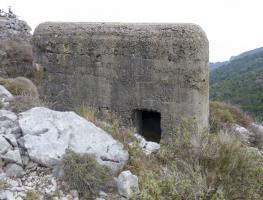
(55, 132)
(42, 136)
(16, 56)
(39, 138)
(12, 27)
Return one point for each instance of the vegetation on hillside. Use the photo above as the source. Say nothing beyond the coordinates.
(194, 165)
(223, 116)
(240, 82)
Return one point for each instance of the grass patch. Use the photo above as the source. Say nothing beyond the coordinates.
(31, 195)
(87, 112)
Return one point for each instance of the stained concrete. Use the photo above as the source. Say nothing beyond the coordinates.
(126, 67)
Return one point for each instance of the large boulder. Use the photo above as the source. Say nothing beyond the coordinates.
(47, 134)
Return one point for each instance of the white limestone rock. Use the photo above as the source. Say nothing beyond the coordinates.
(148, 147)
(57, 131)
(8, 122)
(151, 147)
(4, 145)
(14, 170)
(126, 182)
(5, 98)
(257, 130)
(245, 135)
(7, 195)
(13, 156)
(3, 194)
(11, 138)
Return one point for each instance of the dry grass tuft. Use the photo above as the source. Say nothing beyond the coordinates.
(25, 102)
(83, 173)
(19, 86)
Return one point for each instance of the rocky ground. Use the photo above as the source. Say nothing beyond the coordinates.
(33, 142)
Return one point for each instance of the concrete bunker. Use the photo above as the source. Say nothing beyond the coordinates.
(148, 124)
(160, 70)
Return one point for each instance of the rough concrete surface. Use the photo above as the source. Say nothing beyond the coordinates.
(126, 68)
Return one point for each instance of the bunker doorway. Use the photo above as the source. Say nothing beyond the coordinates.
(148, 124)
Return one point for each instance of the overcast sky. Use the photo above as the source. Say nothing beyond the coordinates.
(232, 26)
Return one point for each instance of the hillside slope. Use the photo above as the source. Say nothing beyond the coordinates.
(240, 82)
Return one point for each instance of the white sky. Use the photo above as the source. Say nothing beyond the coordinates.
(232, 26)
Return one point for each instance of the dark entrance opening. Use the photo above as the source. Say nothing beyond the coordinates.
(148, 124)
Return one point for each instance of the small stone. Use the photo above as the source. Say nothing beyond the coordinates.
(102, 194)
(151, 147)
(147, 147)
(126, 182)
(74, 193)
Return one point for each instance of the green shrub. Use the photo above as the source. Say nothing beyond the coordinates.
(31, 195)
(84, 174)
(223, 116)
(20, 86)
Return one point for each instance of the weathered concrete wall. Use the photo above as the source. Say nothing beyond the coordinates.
(124, 67)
